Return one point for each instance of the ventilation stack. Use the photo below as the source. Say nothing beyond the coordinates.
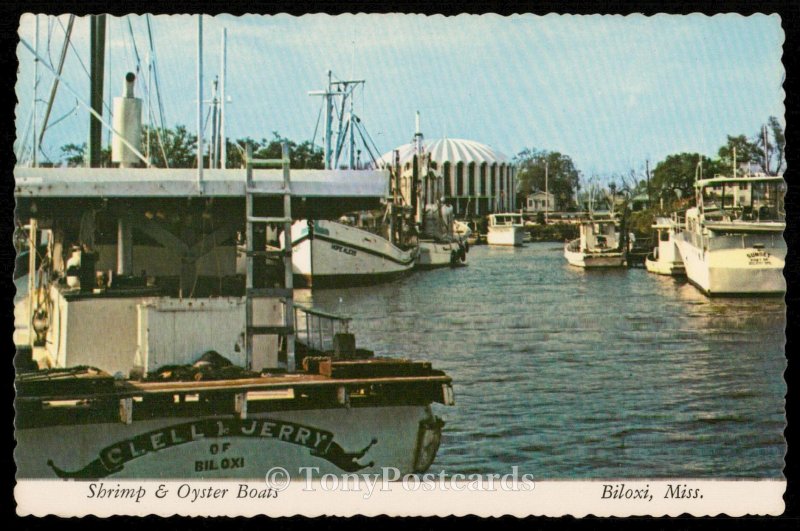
(128, 123)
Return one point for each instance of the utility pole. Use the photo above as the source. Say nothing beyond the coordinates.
(647, 172)
(546, 193)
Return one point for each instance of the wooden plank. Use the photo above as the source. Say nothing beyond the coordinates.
(296, 381)
(375, 368)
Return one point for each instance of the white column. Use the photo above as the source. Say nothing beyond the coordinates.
(452, 176)
(509, 202)
(494, 176)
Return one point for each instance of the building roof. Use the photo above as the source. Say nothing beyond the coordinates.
(452, 150)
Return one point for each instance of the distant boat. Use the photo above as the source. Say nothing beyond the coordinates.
(598, 245)
(665, 259)
(505, 229)
(467, 231)
(439, 245)
(733, 239)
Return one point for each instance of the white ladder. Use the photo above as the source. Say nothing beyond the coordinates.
(285, 332)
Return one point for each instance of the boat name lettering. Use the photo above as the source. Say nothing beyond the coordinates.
(759, 257)
(226, 463)
(341, 249)
(111, 459)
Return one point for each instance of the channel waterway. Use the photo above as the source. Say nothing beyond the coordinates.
(568, 373)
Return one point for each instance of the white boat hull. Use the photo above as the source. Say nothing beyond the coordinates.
(505, 235)
(333, 254)
(335, 441)
(663, 267)
(435, 254)
(739, 271)
(593, 260)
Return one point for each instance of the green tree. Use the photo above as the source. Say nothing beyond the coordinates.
(746, 152)
(771, 158)
(74, 155)
(674, 176)
(173, 148)
(562, 176)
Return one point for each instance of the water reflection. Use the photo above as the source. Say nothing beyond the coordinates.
(585, 374)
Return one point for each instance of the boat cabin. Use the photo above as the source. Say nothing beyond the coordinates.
(141, 269)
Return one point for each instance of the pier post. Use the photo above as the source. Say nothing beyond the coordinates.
(124, 246)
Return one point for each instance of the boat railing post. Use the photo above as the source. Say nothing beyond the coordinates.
(287, 259)
(248, 307)
(32, 294)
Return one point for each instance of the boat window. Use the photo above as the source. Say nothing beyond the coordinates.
(663, 236)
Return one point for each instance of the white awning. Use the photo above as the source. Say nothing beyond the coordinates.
(149, 182)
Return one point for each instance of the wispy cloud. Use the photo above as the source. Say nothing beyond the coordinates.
(606, 90)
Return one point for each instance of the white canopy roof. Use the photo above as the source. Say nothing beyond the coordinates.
(452, 150)
(140, 182)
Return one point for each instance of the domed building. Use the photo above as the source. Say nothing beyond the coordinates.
(477, 179)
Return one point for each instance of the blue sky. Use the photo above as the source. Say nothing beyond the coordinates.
(609, 91)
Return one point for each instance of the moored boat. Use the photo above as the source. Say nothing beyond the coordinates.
(505, 229)
(732, 242)
(149, 355)
(598, 245)
(665, 257)
(332, 254)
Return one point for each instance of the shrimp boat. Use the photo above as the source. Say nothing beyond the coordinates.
(332, 254)
(439, 245)
(598, 245)
(146, 355)
(665, 259)
(732, 242)
(505, 229)
(142, 363)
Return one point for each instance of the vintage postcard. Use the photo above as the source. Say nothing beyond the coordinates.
(400, 264)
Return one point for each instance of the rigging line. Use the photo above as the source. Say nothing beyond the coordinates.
(316, 127)
(374, 145)
(155, 70)
(135, 49)
(54, 88)
(64, 117)
(84, 104)
(22, 140)
(160, 140)
(366, 145)
(71, 45)
(50, 27)
(78, 57)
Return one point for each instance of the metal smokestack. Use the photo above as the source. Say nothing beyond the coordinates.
(128, 122)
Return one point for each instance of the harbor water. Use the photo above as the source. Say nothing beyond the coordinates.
(574, 374)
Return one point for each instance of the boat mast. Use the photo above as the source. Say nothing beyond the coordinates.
(416, 190)
(328, 122)
(199, 99)
(97, 41)
(214, 144)
(35, 83)
(223, 142)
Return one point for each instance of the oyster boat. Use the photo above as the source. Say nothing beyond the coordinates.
(141, 352)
